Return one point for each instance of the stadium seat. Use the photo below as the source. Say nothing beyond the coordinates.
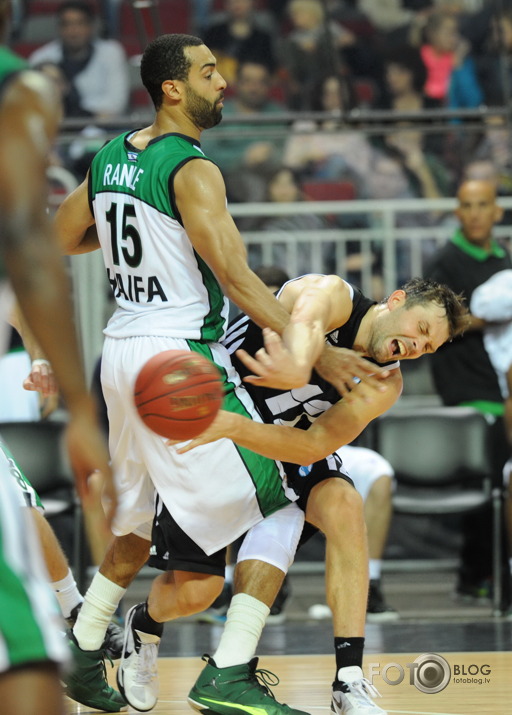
(442, 466)
(329, 190)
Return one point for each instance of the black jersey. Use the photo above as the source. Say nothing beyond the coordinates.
(298, 407)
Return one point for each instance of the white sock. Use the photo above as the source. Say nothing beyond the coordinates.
(100, 603)
(245, 620)
(375, 569)
(229, 572)
(67, 594)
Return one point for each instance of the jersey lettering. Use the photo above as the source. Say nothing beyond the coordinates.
(133, 288)
(122, 175)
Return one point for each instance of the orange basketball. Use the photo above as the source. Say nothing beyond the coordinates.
(178, 393)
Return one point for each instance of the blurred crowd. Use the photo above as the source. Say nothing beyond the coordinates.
(302, 76)
(330, 56)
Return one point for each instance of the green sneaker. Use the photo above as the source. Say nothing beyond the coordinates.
(87, 681)
(237, 689)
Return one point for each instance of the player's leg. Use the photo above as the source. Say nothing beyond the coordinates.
(373, 478)
(125, 556)
(31, 647)
(263, 560)
(335, 507)
(61, 578)
(192, 582)
(87, 682)
(64, 586)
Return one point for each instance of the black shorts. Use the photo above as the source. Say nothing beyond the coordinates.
(173, 550)
(303, 479)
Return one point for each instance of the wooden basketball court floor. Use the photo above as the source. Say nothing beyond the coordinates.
(476, 647)
(306, 682)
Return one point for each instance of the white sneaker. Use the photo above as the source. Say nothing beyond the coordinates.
(137, 675)
(352, 694)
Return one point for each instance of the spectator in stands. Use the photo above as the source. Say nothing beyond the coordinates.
(284, 186)
(70, 98)
(495, 146)
(245, 151)
(492, 303)
(327, 150)
(428, 176)
(405, 75)
(312, 49)
(494, 66)
(201, 10)
(462, 372)
(238, 37)
(398, 168)
(96, 70)
(451, 74)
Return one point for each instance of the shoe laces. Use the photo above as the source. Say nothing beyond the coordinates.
(146, 660)
(263, 679)
(101, 666)
(363, 690)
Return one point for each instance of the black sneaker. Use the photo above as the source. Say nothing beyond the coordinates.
(378, 610)
(113, 643)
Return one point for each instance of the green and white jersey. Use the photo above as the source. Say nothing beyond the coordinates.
(161, 285)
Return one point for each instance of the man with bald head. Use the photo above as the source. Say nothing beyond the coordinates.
(462, 371)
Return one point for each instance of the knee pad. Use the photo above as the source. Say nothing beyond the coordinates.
(275, 539)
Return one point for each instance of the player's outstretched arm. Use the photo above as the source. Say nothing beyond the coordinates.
(201, 199)
(338, 426)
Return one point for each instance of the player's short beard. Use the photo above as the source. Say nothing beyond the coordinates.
(203, 113)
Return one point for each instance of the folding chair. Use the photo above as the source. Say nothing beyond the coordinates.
(442, 466)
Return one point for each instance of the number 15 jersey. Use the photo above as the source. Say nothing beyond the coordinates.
(160, 283)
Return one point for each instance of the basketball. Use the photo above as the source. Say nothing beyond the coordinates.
(178, 394)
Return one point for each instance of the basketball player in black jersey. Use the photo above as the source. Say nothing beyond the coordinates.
(413, 321)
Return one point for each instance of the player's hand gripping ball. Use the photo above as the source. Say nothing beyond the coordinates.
(178, 394)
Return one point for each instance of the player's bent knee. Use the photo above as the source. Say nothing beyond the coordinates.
(274, 540)
(196, 595)
(342, 512)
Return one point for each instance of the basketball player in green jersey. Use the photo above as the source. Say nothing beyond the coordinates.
(31, 647)
(157, 208)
